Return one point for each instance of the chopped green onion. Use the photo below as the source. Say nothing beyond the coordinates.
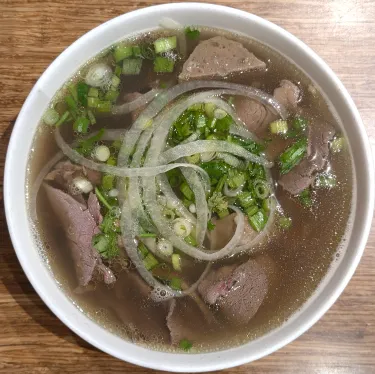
(82, 92)
(300, 123)
(92, 102)
(192, 33)
(292, 156)
(104, 106)
(108, 182)
(285, 222)
(71, 102)
(223, 213)
(305, 198)
(251, 210)
(210, 225)
(85, 147)
(100, 243)
(219, 113)
(325, 180)
(163, 65)
(150, 261)
(115, 81)
(122, 51)
(50, 117)
(209, 108)
(191, 240)
(261, 189)
(193, 159)
(266, 204)
(137, 51)
(279, 127)
(73, 90)
(186, 191)
(185, 344)
(162, 45)
(169, 214)
(132, 66)
(91, 116)
(221, 183)
(176, 262)
(258, 220)
(81, 124)
(175, 283)
(93, 92)
(102, 199)
(142, 249)
(118, 71)
(236, 178)
(111, 95)
(337, 144)
(147, 235)
(245, 199)
(62, 118)
(218, 203)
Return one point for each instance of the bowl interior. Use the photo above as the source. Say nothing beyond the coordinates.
(91, 44)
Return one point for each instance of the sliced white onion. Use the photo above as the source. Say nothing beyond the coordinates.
(165, 247)
(113, 193)
(137, 103)
(82, 185)
(201, 146)
(207, 156)
(182, 227)
(230, 160)
(192, 208)
(99, 75)
(102, 153)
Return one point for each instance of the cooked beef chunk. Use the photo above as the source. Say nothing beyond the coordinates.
(224, 230)
(80, 224)
(219, 57)
(237, 291)
(256, 116)
(303, 175)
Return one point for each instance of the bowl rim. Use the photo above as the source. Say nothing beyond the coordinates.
(201, 362)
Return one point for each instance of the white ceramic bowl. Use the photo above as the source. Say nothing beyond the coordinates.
(88, 46)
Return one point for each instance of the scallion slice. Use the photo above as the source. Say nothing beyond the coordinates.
(162, 45)
(50, 117)
(132, 66)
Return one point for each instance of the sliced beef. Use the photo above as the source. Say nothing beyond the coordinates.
(64, 172)
(224, 230)
(256, 116)
(302, 176)
(142, 318)
(219, 57)
(287, 94)
(185, 320)
(318, 146)
(80, 224)
(237, 291)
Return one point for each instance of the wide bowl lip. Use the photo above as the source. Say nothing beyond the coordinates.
(228, 362)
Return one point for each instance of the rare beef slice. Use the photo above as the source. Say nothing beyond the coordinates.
(238, 291)
(80, 224)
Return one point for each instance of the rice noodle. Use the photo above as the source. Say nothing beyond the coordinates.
(137, 103)
(201, 146)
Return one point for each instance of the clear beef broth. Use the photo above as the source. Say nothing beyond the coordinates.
(296, 259)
